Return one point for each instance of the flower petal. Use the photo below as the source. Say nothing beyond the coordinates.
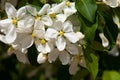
(58, 25)
(67, 26)
(31, 10)
(47, 20)
(39, 25)
(111, 3)
(11, 35)
(22, 57)
(52, 56)
(58, 8)
(48, 46)
(24, 40)
(60, 43)
(71, 37)
(64, 57)
(39, 34)
(10, 10)
(44, 9)
(5, 23)
(73, 66)
(80, 35)
(51, 33)
(61, 17)
(105, 41)
(72, 49)
(21, 13)
(38, 45)
(68, 11)
(116, 21)
(41, 58)
(25, 25)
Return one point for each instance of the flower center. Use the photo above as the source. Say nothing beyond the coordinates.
(52, 15)
(61, 33)
(79, 57)
(14, 21)
(38, 17)
(42, 41)
(67, 3)
(33, 35)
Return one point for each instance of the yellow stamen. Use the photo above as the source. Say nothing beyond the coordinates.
(61, 33)
(37, 17)
(99, 2)
(14, 21)
(43, 41)
(10, 50)
(52, 15)
(67, 3)
(79, 57)
(33, 35)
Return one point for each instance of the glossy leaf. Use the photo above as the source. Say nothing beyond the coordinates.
(96, 46)
(87, 8)
(111, 75)
(89, 30)
(91, 62)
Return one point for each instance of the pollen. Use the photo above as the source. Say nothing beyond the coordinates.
(38, 17)
(52, 15)
(10, 50)
(33, 35)
(14, 21)
(43, 41)
(61, 33)
(79, 57)
(67, 3)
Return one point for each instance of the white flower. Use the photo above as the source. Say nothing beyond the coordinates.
(105, 41)
(41, 15)
(60, 32)
(56, 12)
(112, 3)
(41, 58)
(62, 11)
(9, 25)
(30, 34)
(75, 62)
(64, 55)
(69, 8)
(116, 21)
(23, 42)
(22, 57)
(42, 44)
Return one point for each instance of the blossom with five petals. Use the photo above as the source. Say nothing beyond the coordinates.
(40, 15)
(60, 32)
(9, 26)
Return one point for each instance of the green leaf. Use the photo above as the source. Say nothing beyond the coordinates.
(87, 8)
(96, 46)
(92, 64)
(89, 30)
(111, 75)
(80, 75)
(57, 1)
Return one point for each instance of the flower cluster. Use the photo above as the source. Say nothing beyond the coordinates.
(49, 29)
